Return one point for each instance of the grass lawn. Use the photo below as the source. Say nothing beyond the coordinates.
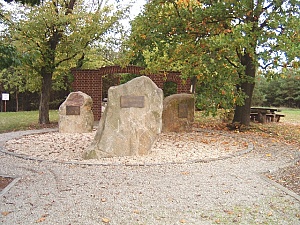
(291, 115)
(13, 121)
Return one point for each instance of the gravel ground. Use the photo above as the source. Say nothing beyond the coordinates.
(200, 145)
(228, 189)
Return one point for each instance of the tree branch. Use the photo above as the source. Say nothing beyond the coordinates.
(66, 59)
(230, 62)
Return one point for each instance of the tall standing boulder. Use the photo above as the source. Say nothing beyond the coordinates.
(75, 114)
(131, 121)
(178, 113)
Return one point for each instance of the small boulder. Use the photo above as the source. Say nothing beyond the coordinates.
(178, 113)
(75, 114)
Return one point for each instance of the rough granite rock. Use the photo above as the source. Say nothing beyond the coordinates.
(178, 113)
(131, 121)
(75, 114)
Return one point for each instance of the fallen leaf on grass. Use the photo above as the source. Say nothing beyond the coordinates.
(229, 212)
(218, 221)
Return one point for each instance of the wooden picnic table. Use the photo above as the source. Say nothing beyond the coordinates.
(264, 114)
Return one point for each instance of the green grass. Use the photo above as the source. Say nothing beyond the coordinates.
(13, 121)
(291, 115)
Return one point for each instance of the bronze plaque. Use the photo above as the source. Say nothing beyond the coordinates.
(132, 101)
(72, 110)
(183, 110)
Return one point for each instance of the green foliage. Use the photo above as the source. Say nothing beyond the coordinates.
(169, 88)
(8, 56)
(259, 96)
(283, 91)
(127, 77)
(12, 81)
(222, 43)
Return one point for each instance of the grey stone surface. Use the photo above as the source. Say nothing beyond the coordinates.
(75, 114)
(131, 121)
(178, 113)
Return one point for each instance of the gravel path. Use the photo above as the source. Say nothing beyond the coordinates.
(230, 190)
(197, 146)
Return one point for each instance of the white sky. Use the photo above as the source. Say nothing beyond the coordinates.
(136, 8)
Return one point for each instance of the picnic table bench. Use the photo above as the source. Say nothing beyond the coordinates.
(263, 115)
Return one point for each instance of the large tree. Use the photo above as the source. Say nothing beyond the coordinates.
(222, 43)
(55, 35)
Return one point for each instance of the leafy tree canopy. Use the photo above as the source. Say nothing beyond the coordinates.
(55, 36)
(282, 91)
(222, 43)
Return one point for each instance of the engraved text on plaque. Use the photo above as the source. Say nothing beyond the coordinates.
(72, 110)
(132, 101)
(182, 110)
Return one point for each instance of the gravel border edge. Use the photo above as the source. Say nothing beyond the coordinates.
(26, 157)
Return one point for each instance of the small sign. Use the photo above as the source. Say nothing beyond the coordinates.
(131, 101)
(183, 110)
(72, 110)
(5, 96)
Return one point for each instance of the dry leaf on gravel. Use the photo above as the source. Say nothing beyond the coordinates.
(105, 220)
(5, 213)
(182, 221)
(42, 219)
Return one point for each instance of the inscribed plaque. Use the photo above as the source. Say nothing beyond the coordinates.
(182, 110)
(132, 101)
(72, 110)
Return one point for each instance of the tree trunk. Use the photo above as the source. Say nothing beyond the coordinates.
(17, 101)
(242, 113)
(48, 69)
(45, 97)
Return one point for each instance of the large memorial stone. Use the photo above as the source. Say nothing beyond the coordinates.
(75, 114)
(131, 121)
(178, 113)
